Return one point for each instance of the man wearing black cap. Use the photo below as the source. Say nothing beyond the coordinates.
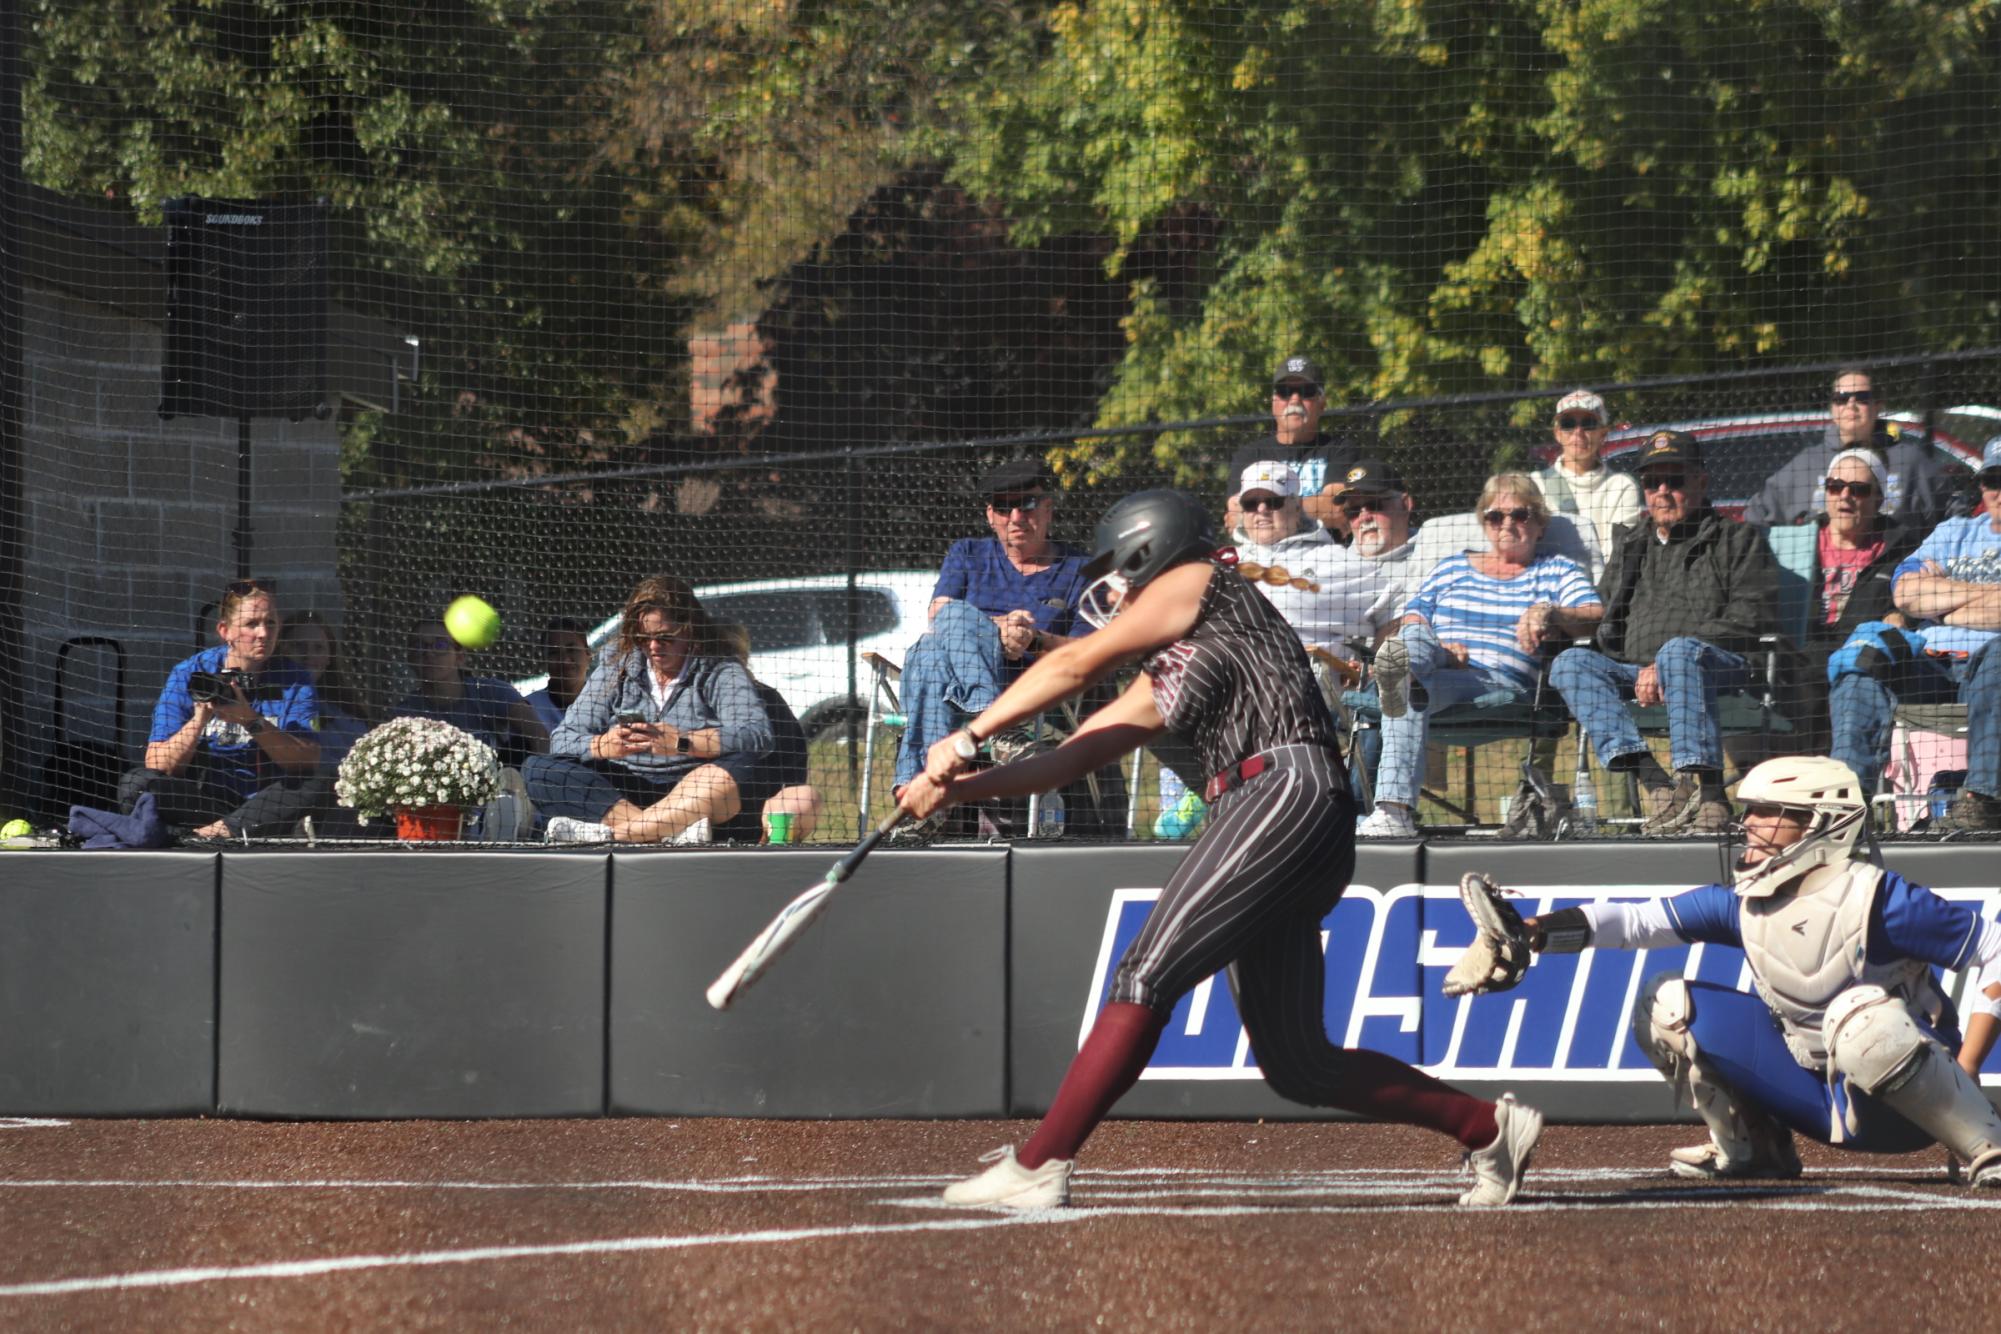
(1687, 593)
(1298, 397)
(999, 602)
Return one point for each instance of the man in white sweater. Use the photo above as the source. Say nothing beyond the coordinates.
(1578, 483)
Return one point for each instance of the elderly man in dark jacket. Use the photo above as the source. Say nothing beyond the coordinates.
(1687, 594)
(1918, 485)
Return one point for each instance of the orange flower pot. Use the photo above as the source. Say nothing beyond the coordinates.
(426, 824)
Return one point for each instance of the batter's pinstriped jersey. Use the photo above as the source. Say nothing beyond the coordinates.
(1239, 682)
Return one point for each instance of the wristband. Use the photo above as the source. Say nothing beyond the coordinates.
(1565, 931)
(255, 726)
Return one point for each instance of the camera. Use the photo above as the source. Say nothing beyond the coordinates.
(208, 687)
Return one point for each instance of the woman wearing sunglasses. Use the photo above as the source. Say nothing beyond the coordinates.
(1474, 627)
(666, 728)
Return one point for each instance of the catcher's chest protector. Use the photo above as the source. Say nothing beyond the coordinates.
(1806, 949)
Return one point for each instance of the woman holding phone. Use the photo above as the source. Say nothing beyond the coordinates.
(667, 725)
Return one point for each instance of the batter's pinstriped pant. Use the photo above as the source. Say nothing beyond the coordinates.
(1249, 897)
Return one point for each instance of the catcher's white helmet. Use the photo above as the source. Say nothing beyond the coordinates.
(1826, 795)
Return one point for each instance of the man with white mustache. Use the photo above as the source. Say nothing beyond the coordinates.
(1298, 398)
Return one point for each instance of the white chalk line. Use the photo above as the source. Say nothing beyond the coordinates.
(29, 1123)
(1864, 1199)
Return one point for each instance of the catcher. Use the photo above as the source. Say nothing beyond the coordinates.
(1842, 954)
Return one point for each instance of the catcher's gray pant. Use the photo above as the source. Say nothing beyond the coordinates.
(1274, 859)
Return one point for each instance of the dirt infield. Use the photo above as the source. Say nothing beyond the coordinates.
(782, 1225)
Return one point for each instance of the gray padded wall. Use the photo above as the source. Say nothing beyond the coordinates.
(107, 983)
(419, 984)
(893, 1003)
(1064, 900)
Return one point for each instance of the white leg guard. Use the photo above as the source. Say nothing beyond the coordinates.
(1744, 1142)
(1874, 1042)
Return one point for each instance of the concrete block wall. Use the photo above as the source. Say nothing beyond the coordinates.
(130, 519)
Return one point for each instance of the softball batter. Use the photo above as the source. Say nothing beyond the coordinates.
(1223, 672)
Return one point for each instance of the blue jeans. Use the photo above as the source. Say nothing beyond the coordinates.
(954, 670)
(1863, 710)
(1741, 1042)
(1692, 670)
(1435, 683)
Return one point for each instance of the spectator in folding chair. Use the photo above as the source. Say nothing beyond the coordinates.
(1378, 510)
(1687, 595)
(1835, 575)
(1578, 483)
(566, 653)
(1000, 603)
(1298, 398)
(1952, 585)
(232, 750)
(1919, 487)
(1474, 630)
(667, 729)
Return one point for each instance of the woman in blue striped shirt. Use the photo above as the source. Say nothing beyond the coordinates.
(1474, 628)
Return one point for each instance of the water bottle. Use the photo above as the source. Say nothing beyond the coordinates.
(1049, 816)
(1583, 796)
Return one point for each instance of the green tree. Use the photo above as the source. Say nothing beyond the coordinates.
(1448, 197)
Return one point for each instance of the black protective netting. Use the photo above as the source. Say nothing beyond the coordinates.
(750, 294)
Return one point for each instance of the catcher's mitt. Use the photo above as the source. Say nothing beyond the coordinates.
(1499, 954)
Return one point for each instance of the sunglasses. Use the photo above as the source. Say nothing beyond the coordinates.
(1262, 504)
(1380, 504)
(1855, 396)
(1860, 490)
(1495, 518)
(1303, 390)
(660, 640)
(243, 588)
(1673, 481)
(1570, 423)
(1026, 504)
(438, 645)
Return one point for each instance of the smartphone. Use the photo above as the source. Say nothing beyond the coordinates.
(631, 718)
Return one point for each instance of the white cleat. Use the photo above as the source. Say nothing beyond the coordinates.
(1985, 1171)
(1773, 1161)
(1498, 1169)
(1012, 1186)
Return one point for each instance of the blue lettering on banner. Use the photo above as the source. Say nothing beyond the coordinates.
(1387, 955)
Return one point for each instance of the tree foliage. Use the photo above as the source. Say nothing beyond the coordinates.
(1451, 197)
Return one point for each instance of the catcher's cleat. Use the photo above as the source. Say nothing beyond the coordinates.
(1498, 1169)
(1773, 1159)
(1012, 1186)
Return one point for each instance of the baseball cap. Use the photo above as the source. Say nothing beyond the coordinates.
(1865, 456)
(1372, 477)
(1281, 479)
(1580, 400)
(1669, 447)
(1297, 367)
(1990, 457)
(1013, 475)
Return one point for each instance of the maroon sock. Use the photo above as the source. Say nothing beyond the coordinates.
(1385, 1089)
(1120, 1045)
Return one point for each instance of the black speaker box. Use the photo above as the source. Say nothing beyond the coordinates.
(246, 325)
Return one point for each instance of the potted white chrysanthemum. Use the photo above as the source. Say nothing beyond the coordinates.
(422, 771)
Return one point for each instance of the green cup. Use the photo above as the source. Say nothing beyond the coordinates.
(779, 825)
